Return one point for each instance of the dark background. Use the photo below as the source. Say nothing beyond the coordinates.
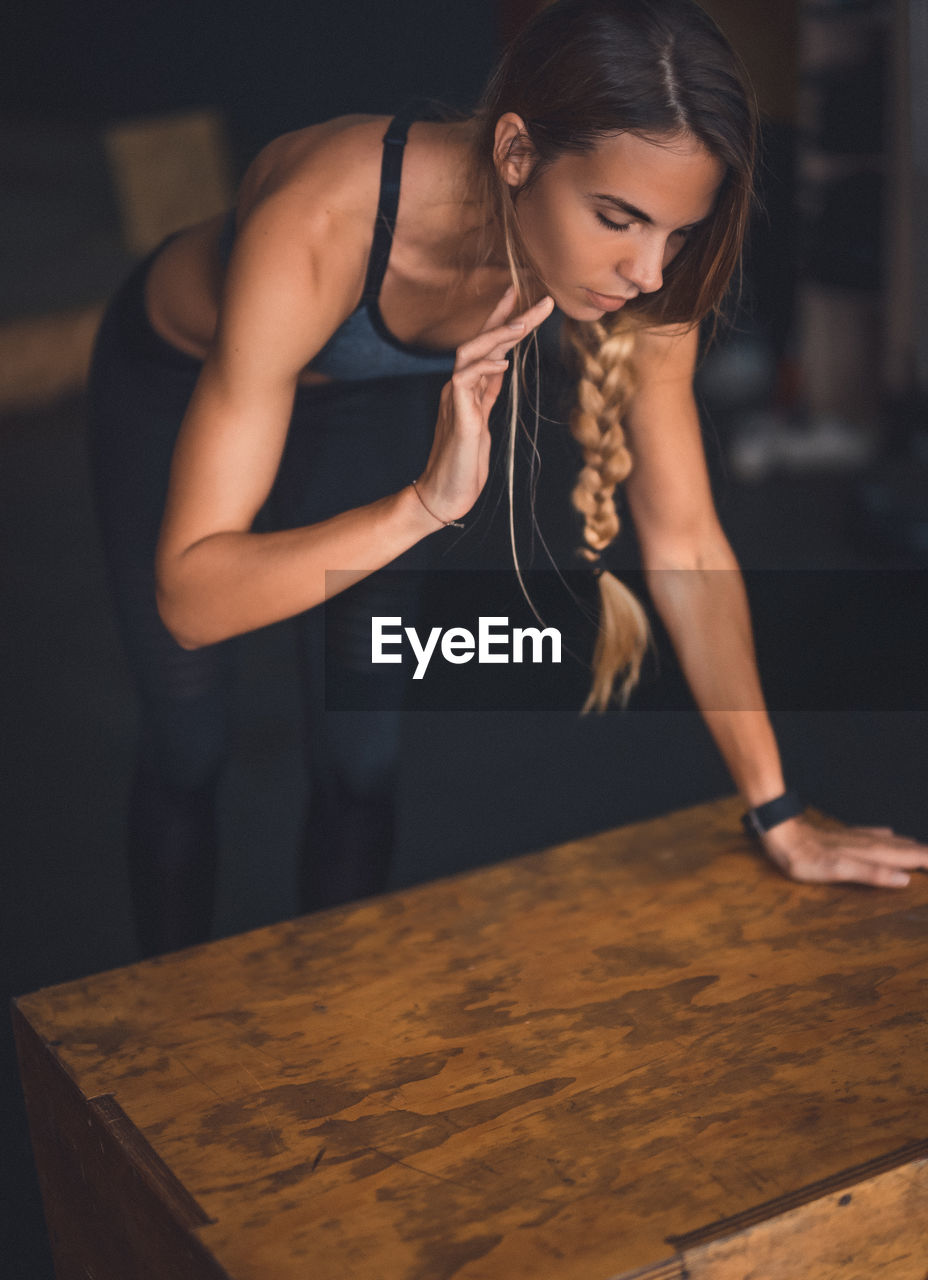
(477, 786)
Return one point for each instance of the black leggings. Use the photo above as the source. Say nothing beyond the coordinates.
(348, 444)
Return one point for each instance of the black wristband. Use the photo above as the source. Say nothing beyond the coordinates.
(760, 820)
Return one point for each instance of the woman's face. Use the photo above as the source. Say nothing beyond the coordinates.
(601, 227)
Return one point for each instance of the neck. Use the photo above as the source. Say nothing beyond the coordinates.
(474, 229)
(473, 223)
(481, 227)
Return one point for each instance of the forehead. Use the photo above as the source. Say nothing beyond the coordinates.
(674, 180)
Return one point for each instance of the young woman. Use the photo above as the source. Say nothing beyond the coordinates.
(337, 344)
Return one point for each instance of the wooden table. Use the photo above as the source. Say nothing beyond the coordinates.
(639, 1054)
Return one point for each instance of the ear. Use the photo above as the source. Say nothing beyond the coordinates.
(513, 153)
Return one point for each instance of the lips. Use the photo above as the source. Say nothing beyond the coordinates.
(605, 301)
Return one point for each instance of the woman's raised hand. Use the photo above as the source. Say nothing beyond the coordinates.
(459, 461)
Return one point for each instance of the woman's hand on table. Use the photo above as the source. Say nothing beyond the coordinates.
(460, 457)
(863, 855)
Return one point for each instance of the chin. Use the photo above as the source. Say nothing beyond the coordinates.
(574, 304)
(583, 311)
(574, 308)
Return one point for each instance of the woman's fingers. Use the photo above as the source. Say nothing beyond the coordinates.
(470, 376)
(475, 390)
(495, 342)
(863, 855)
(912, 858)
(457, 467)
(500, 311)
(852, 870)
(818, 866)
(881, 844)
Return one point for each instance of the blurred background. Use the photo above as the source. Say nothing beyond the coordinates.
(122, 122)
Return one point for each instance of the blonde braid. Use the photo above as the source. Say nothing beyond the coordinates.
(604, 388)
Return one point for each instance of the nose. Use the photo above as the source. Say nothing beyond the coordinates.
(643, 265)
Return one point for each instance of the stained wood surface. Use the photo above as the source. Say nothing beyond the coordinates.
(606, 1058)
(876, 1228)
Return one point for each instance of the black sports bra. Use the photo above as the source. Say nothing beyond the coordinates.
(363, 347)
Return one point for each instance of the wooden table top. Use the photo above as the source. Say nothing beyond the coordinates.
(554, 1067)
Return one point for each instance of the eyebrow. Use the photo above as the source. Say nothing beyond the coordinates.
(634, 212)
(625, 206)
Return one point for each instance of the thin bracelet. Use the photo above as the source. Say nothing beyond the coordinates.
(449, 524)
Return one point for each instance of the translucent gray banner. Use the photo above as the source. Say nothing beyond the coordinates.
(434, 640)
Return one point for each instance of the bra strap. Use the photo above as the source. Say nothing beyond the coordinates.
(391, 167)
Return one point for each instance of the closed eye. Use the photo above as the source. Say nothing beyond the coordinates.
(684, 233)
(613, 226)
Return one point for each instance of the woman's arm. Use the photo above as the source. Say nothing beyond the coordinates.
(293, 278)
(697, 588)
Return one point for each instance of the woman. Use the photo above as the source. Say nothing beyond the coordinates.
(337, 345)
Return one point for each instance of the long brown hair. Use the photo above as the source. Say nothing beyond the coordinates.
(579, 71)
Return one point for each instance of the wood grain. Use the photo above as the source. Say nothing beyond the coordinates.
(570, 1065)
(876, 1229)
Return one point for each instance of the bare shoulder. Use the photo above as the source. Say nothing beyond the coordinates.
(312, 194)
(305, 221)
(334, 165)
(331, 171)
